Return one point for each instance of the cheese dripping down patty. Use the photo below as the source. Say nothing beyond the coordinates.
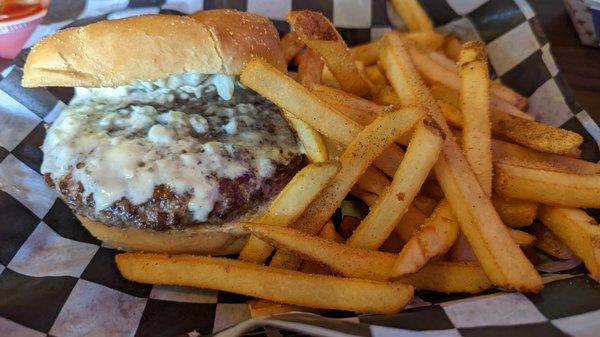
(185, 131)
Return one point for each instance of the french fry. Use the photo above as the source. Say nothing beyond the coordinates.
(435, 73)
(475, 107)
(304, 105)
(392, 244)
(372, 264)
(450, 277)
(523, 239)
(515, 213)
(547, 187)
(289, 205)
(357, 108)
(420, 157)
(452, 46)
(368, 145)
(291, 46)
(327, 233)
(547, 242)
(310, 68)
(367, 53)
(355, 160)
(531, 134)
(501, 259)
(376, 77)
(504, 152)
(250, 279)
(319, 34)
(502, 91)
(410, 223)
(413, 15)
(313, 143)
(579, 231)
(367, 197)
(373, 181)
(432, 239)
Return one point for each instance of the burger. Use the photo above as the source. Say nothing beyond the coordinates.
(161, 148)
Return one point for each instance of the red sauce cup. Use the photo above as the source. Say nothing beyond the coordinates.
(16, 26)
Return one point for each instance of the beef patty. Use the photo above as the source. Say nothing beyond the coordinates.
(169, 154)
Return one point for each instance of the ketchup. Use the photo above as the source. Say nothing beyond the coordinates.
(16, 9)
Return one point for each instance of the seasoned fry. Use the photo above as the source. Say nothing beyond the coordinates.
(410, 223)
(373, 181)
(422, 154)
(249, 279)
(355, 160)
(313, 143)
(432, 239)
(579, 231)
(368, 145)
(475, 107)
(547, 242)
(523, 239)
(451, 46)
(327, 233)
(504, 152)
(357, 108)
(372, 264)
(504, 263)
(425, 40)
(435, 73)
(291, 46)
(547, 187)
(367, 53)
(515, 213)
(450, 277)
(376, 77)
(531, 134)
(310, 68)
(413, 15)
(289, 204)
(319, 34)
(425, 204)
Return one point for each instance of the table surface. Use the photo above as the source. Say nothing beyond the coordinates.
(579, 64)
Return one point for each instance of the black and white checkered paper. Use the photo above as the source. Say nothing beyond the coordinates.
(57, 280)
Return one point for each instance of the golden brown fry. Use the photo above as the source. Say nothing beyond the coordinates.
(372, 264)
(475, 107)
(426, 40)
(451, 46)
(515, 213)
(547, 242)
(432, 239)
(504, 152)
(413, 15)
(523, 239)
(249, 279)
(289, 204)
(291, 46)
(373, 181)
(357, 108)
(547, 187)
(317, 32)
(420, 157)
(410, 223)
(503, 261)
(367, 53)
(376, 77)
(328, 233)
(355, 160)
(313, 143)
(531, 134)
(310, 68)
(450, 277)
(435, 73)
(579, 231)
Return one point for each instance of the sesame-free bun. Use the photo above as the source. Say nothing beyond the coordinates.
(148, 47)
(202, 239)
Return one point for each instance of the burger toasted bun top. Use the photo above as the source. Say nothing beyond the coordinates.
(119, 52)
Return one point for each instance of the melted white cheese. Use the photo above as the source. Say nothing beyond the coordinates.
(125, 147)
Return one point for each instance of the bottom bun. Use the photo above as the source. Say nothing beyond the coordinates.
(202, 239)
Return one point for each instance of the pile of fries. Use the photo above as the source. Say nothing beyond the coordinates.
(453, 169)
